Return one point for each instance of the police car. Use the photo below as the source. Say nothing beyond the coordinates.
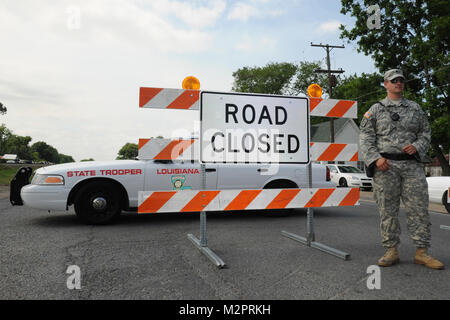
(349, 176)
(99, 191)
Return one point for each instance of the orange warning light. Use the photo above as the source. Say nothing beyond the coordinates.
(191, 83)
(314, 91)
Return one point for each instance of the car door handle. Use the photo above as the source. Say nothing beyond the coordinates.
(210, 170)
(263, 170)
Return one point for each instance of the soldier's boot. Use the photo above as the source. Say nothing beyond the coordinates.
(390, 258)
(422, 257)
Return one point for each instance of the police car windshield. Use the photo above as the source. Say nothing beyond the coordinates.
(349, 169)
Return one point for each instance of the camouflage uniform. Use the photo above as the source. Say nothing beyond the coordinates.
(405, 179)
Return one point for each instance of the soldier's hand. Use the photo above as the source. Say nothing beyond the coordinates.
(382, 164)
(409, 149)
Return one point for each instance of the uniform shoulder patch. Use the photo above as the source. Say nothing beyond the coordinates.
(367, 115)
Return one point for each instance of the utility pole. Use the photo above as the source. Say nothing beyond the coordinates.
(331, 78)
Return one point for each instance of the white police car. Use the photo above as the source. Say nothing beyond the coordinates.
(349, 176)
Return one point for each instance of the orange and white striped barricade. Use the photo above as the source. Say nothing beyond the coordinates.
(188, 149)
(243, 199)
(320, 151)
(165, 98)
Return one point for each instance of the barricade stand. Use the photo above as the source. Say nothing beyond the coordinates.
(333, 152)
(187, 100)
(202, 244)
(242, 199)
(310, 235)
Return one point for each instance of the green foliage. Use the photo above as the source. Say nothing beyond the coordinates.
(366, 89)
(274, 78)
(65, 158)
(19, 145)
(414, 37)
(5, 135)
(306, 75)
(84, 160)
(282, 78)
(45, 151)
(3, 109)
(128, 151)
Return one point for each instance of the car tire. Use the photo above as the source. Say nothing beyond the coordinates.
(97, 203)
(343, 183)
(444, 201)
(279, 213)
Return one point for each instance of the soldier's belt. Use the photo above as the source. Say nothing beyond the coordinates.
(398, 156)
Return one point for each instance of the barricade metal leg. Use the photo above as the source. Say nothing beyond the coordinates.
(310, 236)
(445, 227)
(202, 244)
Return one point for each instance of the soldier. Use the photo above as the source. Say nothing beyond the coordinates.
(394, 140)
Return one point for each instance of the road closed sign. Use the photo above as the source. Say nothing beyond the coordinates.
(253, 128)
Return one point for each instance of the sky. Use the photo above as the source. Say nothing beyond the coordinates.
(70, 71)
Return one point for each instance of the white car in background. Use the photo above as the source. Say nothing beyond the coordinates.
(349, 176)
(438, 190)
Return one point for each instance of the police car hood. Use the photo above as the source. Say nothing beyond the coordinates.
(89, 165)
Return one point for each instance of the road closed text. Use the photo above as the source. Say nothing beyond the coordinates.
(247, 128)
(110, 172)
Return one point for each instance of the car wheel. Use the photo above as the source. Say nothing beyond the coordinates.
(97, 203)
(343, 183)
(278, 213)
(445, 203)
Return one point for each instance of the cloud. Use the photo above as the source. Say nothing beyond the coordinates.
(329, 26)
(255, 43)
(243, 11)
(196, 14)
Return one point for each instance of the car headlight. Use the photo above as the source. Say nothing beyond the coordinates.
(47, 179)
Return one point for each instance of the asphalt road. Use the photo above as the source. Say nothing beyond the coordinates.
(150, 257)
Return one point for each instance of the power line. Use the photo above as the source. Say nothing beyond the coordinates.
(331, 78)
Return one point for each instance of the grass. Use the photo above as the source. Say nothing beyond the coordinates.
(7, 172)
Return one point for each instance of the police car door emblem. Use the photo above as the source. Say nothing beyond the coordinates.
(178, 183)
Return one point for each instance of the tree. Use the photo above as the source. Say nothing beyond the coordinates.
(366, 89)
(278, 78)
(45, 151)
(84, 160)
(414, 37)
(128, 151)
(5, 135)
(19, 145)
(2, 108)
(282, 78)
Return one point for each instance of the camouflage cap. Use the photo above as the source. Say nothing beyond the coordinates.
(392, 74)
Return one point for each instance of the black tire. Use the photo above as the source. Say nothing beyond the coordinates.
(343, 183)
(445, 203)
(279, 213)
(107, 209)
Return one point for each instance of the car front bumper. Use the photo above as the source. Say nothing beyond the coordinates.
(361, 184)
(45, 197)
